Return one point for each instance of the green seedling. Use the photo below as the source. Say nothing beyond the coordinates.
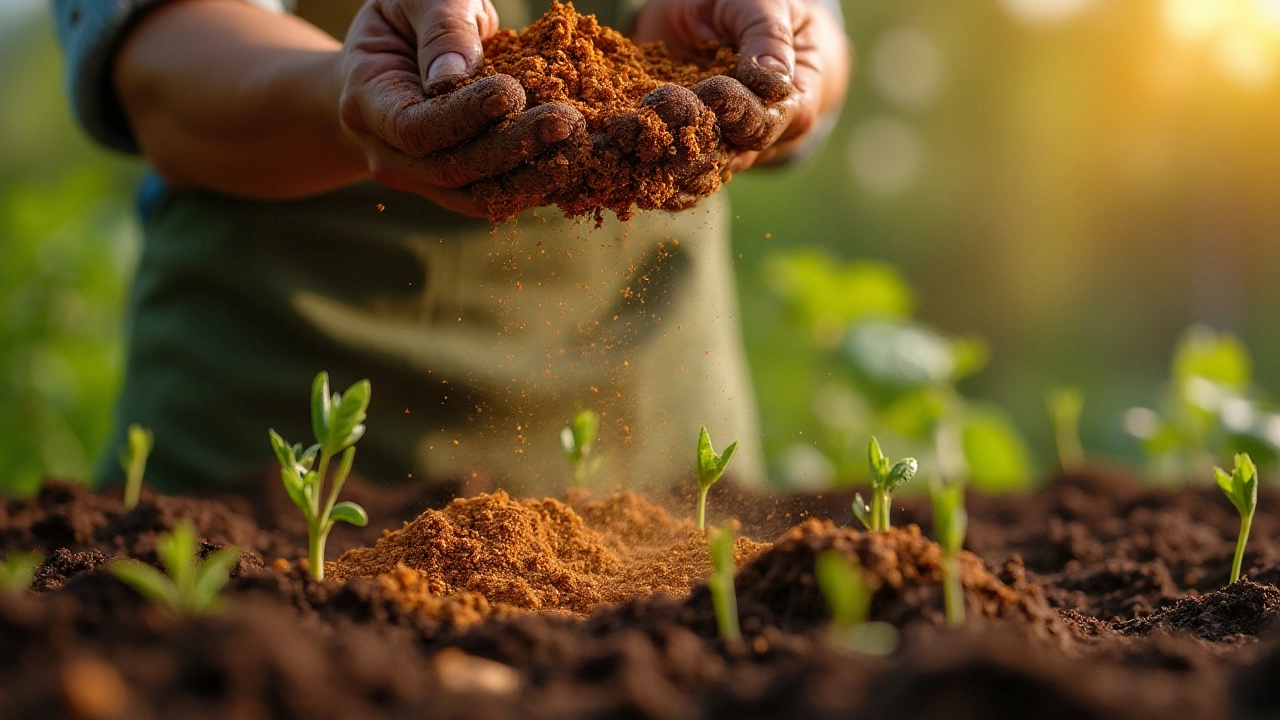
(17, 570)
(1065, 406)
(710, 467)
(133, 459)
(577, 439)
(1241, 487)
(724, 599)
(337, 421)
(848, 592)
(191, 586)
(950, 522)
(884, 481)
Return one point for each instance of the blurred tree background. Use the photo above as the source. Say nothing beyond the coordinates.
(1076, 181)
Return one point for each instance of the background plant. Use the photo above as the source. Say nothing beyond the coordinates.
(189, 586)
(1065, 406)
(337, 419)
(1241, 487)
(950, 522)
(848, 592)
(724, 598)
(18, 569)
(885, 481)
(577, 440)
(133, 459)
(710, 468)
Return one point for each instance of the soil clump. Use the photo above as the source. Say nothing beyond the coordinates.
(640, 149)
(538, 554)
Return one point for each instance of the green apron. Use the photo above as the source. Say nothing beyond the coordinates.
(481, 342)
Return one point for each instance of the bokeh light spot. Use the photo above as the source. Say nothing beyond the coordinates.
(906, 68)
(886, 155)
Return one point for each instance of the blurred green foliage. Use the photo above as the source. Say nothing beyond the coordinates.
(67, 241)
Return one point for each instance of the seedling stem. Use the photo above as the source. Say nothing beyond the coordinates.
(1241, 487)
(724, 599)
(950, 522)
(577, 440)
(133, 459)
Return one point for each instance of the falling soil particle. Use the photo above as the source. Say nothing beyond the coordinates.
(492, 552)
(665, 151)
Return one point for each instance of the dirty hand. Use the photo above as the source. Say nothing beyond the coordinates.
(778, 93)
(400, 59)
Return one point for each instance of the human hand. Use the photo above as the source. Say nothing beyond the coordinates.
(794, 62)
(400, 61)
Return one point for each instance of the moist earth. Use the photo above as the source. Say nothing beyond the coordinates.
(1095, 596)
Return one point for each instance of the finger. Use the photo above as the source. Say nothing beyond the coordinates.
(744, 161)
(677, 106)
(744, 119)
(395, 170)
(528, 186)
(450, 33)
(764, 30)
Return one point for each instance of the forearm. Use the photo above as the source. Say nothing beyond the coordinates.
(224, 96)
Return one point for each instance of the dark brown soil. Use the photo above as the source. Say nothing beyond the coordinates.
(1094, 598)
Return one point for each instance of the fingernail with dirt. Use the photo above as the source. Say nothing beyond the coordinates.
(774, 65)
(553, 128)
(450, 64)
(497, 105)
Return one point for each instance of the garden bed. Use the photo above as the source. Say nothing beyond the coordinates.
(1094, 597)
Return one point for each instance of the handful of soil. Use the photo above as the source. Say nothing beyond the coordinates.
(640, 149)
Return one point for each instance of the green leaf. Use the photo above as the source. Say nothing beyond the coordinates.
(349, 512)
(1218, 358)
(306, 458)
(994, 450)
(147, 581)
(177, 552)
(213, 575)
(293, 486)
(861, 510)
(18, 569)
(321, 407)
(877, 463)
(901, 472)
(283, 450)
(344, 423)
(1241, 486)
(710, 465)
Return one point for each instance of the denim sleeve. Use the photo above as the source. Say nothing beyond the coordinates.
(90, 32)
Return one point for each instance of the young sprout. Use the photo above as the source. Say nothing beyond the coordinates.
(17, 570)
(191, 586)
(950, 522)
(710, 467)
(848, 592)
(577, 439)
(134, 461)
(337, 421)
(724, 600)
(1065, 406)
(884, 481)
(1241, 487)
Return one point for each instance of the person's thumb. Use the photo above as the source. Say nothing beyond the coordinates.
(765, 35)
(450, 33)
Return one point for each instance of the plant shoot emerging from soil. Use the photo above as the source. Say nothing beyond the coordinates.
(848, 592)
(1065, 406)
(337, 421)
(950, 522)
(1241, 487)
(191, 586)
(710, 467)
(724, 598)
(17, 569)
(576, 440)
(884, 481)
(134, 461)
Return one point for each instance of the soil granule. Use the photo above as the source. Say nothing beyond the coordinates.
(492, 550)
(640, 148)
